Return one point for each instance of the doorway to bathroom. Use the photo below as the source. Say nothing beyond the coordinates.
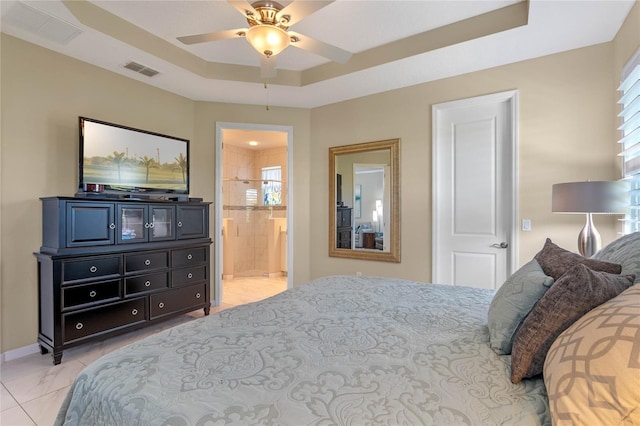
(253, 212)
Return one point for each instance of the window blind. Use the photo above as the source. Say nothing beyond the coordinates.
(630, 140)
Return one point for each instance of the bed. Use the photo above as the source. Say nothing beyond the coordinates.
(337, 350)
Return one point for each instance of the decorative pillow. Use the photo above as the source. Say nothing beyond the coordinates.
(513, 302)
(592, 371)
(573, 295)
(555, 261)
(625, 251)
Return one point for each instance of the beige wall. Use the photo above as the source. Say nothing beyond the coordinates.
(566, 105)
(43, 93)
(208, 113)
(567, 122)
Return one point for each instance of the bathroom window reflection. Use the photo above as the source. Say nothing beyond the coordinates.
(272, 185)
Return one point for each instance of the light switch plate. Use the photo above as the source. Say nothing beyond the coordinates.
(526, 224)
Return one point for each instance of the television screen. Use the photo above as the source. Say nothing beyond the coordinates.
(116, 158)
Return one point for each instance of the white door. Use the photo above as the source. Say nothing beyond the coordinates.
(474, 193)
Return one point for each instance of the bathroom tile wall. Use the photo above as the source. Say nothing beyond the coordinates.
(242, 169)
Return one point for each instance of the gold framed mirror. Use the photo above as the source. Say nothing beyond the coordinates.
(364, 201)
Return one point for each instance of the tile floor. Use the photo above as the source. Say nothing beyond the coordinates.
(32, 388)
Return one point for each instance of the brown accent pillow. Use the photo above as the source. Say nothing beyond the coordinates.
(556, 261)
(569, 298)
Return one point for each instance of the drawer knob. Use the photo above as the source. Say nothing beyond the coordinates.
(134, 312)
(93, 269)
(161, 305)
(92, 293)
(79, 326)
(189, 256)
(197, 295)
(189, 275)
(179, 224)
(147, 283)
(112, 226)
(147, 262)
(146, 225)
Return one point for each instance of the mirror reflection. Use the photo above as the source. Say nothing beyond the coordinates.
(364, 197)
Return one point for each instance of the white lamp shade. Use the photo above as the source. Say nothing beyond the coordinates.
(590, 197)
(269, 40)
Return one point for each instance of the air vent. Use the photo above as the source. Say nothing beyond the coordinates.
(139, 68)
(41, 23)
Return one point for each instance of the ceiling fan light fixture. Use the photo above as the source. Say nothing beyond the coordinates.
(267, 39)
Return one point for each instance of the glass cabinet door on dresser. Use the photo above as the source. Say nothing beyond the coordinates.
(139, 223)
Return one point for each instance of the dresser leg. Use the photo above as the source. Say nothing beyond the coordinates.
(57, 358)
(207, 310)
(43, 350)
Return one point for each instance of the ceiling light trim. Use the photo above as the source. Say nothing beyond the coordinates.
(493, 22)
(107, 23)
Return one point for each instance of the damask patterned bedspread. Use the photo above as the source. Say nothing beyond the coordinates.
(338, 350)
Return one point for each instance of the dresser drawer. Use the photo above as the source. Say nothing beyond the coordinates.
(146, 261)
(90, 293)
(105, 318)
(190, 256)
(91, 268)
(188, 276)
(176, 300)
(149, 282)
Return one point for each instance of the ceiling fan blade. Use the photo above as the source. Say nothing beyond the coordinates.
(203, 38)
(297, 10)
(244, 7)
(267, 67)
(320, 48)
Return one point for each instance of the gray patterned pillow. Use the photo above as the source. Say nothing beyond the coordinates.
(555, 261)
(573, 295)
(625, 251)
(513, 302)
(592, 371)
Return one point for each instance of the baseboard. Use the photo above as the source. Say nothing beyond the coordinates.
(19, 353)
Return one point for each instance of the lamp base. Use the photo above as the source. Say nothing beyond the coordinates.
(589, 241)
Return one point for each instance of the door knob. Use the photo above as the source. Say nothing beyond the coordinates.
(502, 245)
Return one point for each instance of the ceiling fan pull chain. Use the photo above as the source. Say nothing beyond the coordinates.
(267, 89)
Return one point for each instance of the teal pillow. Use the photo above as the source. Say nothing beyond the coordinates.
(513, 302)
(625, 251)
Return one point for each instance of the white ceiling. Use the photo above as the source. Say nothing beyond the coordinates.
(359, 26)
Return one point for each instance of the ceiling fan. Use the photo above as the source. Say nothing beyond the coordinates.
(269, 32)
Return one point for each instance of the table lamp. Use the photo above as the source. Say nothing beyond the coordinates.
(598, 197)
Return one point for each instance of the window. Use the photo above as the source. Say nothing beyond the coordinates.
(630, 141)
(272, 185)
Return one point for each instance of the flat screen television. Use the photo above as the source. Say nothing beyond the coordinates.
(116, 159)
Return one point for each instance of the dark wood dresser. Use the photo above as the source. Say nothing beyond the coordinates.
(110, 266)
(343, 227)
